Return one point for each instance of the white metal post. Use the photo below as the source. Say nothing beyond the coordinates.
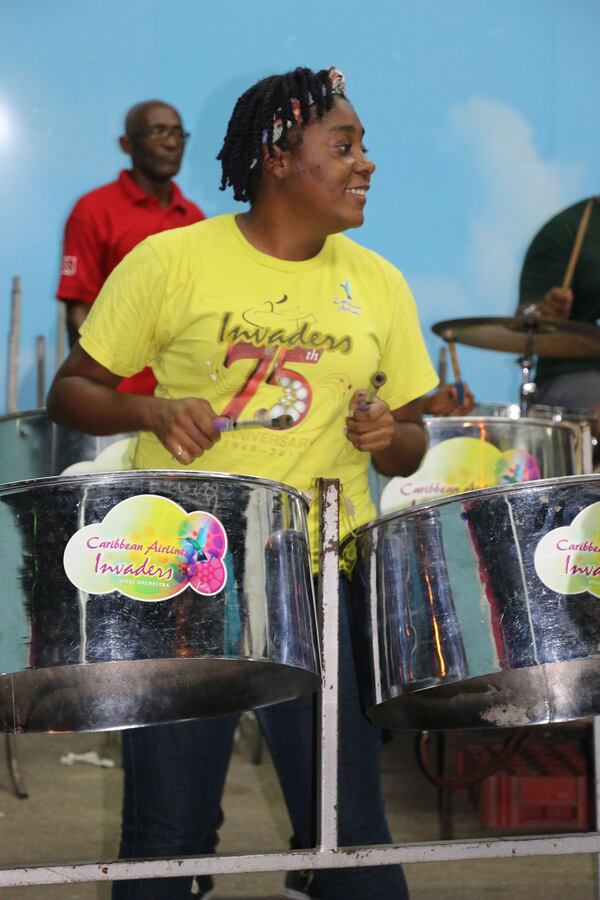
(329, 626)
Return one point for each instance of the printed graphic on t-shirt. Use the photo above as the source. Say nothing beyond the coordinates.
(344, 304)
(280, 336)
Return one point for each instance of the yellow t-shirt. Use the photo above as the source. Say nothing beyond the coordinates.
(218, 319)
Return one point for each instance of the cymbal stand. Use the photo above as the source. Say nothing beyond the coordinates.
(526, 363)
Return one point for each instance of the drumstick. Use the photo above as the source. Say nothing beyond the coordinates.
(377, 381)
(460, 392)
(581, 230)
(277, 423)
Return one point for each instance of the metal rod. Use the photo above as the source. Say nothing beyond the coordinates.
(277, 423)
(526, 364)
(40, 348)
(377, 381)
(329, 624)
(341, 858)
(12, 385)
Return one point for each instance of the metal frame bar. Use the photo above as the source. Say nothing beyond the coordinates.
(339, 858)
(327, 854)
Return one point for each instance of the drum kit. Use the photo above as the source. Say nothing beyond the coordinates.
(136, 597)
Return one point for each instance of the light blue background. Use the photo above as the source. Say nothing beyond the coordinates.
(482, 119)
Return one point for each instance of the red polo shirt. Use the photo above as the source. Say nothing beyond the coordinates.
(106, 224)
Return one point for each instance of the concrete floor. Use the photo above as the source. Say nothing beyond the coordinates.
(72, 815)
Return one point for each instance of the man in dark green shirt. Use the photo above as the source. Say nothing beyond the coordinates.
(572, 383)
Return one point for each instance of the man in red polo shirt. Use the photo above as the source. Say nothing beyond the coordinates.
(108, 222)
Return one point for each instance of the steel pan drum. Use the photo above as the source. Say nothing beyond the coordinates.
(476, 452)
(580, 420)
(33, 446)
(483, 610)
(134, 598)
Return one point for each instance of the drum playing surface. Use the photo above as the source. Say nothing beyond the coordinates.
(483, 610)
(143, 597)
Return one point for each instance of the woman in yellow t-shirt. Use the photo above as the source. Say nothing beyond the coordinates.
(206, 306)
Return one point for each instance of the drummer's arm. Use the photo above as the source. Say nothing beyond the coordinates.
(83, 395)
(396, 439)
(542, 273)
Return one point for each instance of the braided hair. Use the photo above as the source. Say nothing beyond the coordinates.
(291, 97)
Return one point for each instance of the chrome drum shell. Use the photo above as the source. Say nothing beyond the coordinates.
(580, 420)
(543, 449)
(453, 625)
(72, 660)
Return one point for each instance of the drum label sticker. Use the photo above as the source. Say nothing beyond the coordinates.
(148, 548)
(457, 465)
(567, 559)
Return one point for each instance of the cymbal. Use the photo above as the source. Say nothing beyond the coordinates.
(523, 335)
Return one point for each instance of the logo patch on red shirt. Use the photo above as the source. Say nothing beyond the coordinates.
(69, 265)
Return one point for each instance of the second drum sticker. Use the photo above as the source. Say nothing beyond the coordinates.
(567, 559)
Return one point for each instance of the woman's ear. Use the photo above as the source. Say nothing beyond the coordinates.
(278, 165)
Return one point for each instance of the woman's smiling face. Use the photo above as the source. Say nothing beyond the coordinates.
(330, 172)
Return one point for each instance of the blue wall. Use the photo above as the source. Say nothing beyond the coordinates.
(482, 119)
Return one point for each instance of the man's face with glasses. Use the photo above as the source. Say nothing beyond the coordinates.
(156, 142)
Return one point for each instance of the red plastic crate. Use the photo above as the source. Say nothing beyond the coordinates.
(543, 785)
(534, 801)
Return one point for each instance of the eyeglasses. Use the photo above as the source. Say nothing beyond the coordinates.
(160, 132)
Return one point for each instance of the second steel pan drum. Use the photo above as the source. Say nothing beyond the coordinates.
(142, 597)
(482, 610)
(476, 452)
(580, 420)
(33, 446)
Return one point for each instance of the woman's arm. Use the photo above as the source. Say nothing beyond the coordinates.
(83, 395)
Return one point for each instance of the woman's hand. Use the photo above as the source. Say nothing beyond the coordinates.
(372, 428)
(185, 427)
(395, 438)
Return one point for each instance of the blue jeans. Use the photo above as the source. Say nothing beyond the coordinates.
(174, 777)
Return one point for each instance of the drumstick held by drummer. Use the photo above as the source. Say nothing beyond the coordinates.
(456, 370)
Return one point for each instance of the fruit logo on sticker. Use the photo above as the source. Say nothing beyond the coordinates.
(149, 548)
(567, 560)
